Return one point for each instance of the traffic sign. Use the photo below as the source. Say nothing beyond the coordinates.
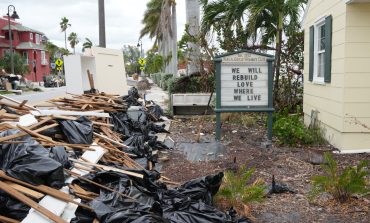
(59, 62)
(59, 68)
(52, 65)
(142, 61)
(142, 68)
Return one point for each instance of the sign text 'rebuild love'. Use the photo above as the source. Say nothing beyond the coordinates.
(244, 80)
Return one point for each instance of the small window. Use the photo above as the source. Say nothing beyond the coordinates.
(37, 37)
(25, 57)
(319, 52)
(43, 58)
(31, 36)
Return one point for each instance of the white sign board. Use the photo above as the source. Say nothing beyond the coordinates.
(244, 80)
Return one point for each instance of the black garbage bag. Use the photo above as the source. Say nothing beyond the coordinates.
(30, 162)
(139, 116)
(79, 131)
(156, 128)
(83, 216)
(131, 98)
(12, 208)
(153, 202)
(120, 122)
(59, 154)
(275, 188)
(200, 189)
(156, 111)
(136, 145)
(187, 211)
(133, 92)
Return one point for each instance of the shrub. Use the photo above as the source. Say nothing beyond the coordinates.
(235, 190)
(290, 130)
(164, 80)
(170, 85)
(194, 84)
(341, 185)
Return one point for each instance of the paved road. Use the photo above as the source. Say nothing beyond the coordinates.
(38, 97)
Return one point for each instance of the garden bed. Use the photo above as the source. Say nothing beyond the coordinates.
(290, 165)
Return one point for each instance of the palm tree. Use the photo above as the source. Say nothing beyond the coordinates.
(64, 24)
(192, 20)
(73, 41)
(87, 44)
(151, 20)
(271, 19)
(267, 20)
(160, 24)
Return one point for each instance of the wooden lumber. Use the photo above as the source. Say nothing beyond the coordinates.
(14, 136)
(108, 168)
(44, 189)
(8, 220)
(25, 190)
(97, 184)
(35, 134)
(110, 140)
(19, 103)
(29, 202)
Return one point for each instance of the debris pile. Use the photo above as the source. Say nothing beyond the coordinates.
(92, 158)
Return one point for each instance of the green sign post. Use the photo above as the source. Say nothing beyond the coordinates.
(244, 83)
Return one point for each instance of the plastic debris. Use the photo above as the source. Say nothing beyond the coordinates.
(30, 162)
(79, 131)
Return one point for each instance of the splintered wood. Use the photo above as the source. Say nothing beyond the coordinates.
(91, 102)
(44, 127)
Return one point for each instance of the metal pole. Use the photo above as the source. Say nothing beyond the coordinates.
(270, 102)
(11, 41)
(141, 49)
(218, 98)
(102, 42)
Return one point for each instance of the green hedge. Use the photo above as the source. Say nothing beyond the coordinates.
(164, 80)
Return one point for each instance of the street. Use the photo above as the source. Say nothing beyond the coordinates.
(37, 97)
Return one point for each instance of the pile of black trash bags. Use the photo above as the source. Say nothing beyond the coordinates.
(138, 128)
(146, 200)
(32, 163)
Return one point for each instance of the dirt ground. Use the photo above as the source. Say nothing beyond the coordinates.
(290, 166)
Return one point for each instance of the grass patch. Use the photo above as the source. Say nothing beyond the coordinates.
(6, 92)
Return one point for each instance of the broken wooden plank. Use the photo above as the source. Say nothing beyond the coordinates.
(29, 202)
(70, 113)
(8, 220)
(110, 140)
(108, 168)
(14, 136)
(25, 190)
(44, 189)
(19, 103)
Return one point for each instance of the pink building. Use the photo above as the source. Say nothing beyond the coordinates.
(28, 43)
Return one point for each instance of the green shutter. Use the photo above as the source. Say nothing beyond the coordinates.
(328, 38)
(311, 58)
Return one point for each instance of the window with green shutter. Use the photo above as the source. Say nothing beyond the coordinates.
(320, 51)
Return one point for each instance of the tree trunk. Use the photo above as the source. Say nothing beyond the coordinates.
(101, 24)
(174, 40)
(279, 43)
(192, 19)
(65, 38)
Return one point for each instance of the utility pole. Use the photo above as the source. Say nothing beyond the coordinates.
(101, 24)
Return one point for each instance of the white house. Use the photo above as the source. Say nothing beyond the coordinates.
(337, 71)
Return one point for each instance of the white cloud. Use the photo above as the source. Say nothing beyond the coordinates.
(122, 19)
